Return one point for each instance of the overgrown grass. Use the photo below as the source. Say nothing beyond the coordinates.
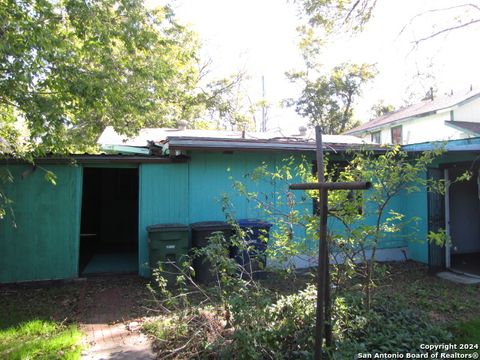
(410, 308)
(446, 303)
(467, 332)
(39, 339)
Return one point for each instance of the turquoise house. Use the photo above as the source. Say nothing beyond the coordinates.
(94, 218)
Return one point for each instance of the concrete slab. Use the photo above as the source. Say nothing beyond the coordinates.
(458, 278)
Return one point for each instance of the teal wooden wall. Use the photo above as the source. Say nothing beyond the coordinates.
(192, 192)
(163, 198)
(44, 244)
(212, 174)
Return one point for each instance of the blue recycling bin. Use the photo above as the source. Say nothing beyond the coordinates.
(254, 259)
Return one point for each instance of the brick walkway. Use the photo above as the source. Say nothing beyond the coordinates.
(117, 342)
(112, 331)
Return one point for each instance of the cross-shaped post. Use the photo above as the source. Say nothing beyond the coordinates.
(323, 322)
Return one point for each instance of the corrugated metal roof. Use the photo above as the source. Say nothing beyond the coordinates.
(160, 135)
(422, 108)
(225, 139)
(188, 143)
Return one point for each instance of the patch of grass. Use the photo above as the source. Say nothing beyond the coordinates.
(467, 332)
(37, 339)
(444, 301)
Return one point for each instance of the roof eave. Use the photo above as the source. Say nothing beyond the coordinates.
(459, 128)
(176, 144)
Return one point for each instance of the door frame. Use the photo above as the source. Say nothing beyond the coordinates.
(105, 165)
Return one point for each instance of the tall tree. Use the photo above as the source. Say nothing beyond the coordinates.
(227, 105)
(328, 99)
(331, 15)
(69, 68)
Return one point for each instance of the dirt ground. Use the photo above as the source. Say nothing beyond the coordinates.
(123, 298)
(115, 304)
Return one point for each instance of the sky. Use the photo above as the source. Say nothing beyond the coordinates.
(259, 37)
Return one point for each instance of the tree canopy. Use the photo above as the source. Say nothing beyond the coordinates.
(328, 100)
(328, 95)
(352, 15)
(69, 68)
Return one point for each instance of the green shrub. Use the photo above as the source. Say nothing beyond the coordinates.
(239, 316)
(285, 329)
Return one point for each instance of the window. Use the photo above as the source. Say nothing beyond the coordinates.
(397, 135)
(376, 137)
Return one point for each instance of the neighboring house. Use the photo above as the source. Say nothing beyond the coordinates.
(447, 117)
(99, 209)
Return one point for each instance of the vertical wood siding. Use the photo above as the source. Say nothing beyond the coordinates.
(163, 198)
(44, 245)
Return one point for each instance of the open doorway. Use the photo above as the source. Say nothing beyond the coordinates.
(109, 224)
(464, 220)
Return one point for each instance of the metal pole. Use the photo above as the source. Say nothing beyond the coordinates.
(320, 323)
(323, 320)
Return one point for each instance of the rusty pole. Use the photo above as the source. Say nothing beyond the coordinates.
(323, 324)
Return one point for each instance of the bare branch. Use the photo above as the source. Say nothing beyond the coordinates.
(446, 30)
(434, 11)
(351, 10)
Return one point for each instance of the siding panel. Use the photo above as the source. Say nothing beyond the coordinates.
(163, 199)
(45, 243)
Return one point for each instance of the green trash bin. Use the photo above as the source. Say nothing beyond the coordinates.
(167, 244)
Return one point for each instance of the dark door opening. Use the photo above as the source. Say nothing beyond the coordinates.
(464, 221)
(109, 224)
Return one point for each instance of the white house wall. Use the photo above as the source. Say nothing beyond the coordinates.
(418, 130)
(468, 112)
(430, 128)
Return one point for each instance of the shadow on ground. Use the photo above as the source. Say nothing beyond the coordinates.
(108, 309)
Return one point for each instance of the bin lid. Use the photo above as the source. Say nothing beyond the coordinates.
(254, 223)
(167, 227)
(211, 226)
